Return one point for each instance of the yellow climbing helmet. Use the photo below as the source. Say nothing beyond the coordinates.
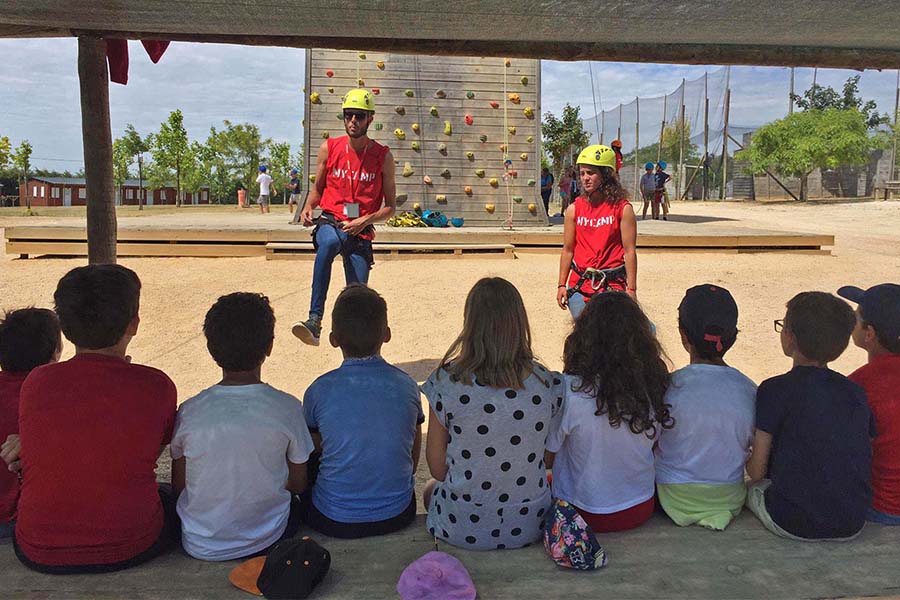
(359, 99)
(598, 156)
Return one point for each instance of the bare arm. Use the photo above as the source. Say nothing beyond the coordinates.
(436, 447)
(315, 192)
(417, 448)
(629, 242)
(178, 476)
(296, 482)
(758, 465)
(566, 256)
(317, 440)
(549, 457)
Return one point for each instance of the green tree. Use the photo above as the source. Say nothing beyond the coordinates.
(279, 165)
(563, 136)
(813, 139)
(122, 161)
(136, 146)
(5, 152)
(818, 97)
(241, 148)
(171, 150)
(21, 161)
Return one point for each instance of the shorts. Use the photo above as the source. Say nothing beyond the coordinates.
(263, 200)
(756, 502)
(295, 199)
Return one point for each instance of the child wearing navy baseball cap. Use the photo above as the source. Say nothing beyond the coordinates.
(700, 461)
(877, 331)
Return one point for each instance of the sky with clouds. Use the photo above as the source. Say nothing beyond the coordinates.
(39, 94)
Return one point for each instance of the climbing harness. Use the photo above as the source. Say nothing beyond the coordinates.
(353, 245)
(598, 278)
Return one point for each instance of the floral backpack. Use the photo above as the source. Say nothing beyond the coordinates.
(569, 541)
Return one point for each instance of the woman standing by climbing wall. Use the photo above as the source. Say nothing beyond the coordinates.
(599, 235)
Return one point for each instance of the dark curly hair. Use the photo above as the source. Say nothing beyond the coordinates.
(611, 190)
(616, 356)
(239, 330)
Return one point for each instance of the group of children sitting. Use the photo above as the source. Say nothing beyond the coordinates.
(615, 435)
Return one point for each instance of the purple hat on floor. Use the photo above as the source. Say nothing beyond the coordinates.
(436, 576)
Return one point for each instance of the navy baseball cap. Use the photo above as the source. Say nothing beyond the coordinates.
(708, 315)
(879, 306)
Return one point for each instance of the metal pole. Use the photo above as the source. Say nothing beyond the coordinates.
(896, 129)
(706, 136)
(594, 97)
(791, 95)
(815, 75)
(602, 125)
(681, 170)
(725, 134)
(662, 128)
(637, 144)
(619, 130)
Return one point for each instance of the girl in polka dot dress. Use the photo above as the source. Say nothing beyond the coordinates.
(601, 450)
(492, 405)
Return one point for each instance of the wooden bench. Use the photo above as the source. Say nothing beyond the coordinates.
(304, 250)
(890, 188)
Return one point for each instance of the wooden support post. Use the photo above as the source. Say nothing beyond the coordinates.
(679, 181)
(896, 129)
(706, 136)
(97, 139)
(619, 130)
(637, 145)
(725, 136)
(662, 128)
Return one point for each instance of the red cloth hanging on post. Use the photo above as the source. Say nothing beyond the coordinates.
(117, 56)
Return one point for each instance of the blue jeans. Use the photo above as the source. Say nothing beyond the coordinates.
(576, 305)
(876, 516)
(332, 241)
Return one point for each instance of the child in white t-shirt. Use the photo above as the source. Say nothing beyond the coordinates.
(240, 448)
(601, 452)
(266, 189)
(700, 462)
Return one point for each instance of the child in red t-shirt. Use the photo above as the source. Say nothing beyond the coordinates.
(877, 332)
(92, 429)
(29, 338)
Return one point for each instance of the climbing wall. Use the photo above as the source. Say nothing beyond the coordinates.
(464, 132)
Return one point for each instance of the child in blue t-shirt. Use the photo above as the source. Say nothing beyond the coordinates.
(700, 461)
(365, 417)
(812, 456)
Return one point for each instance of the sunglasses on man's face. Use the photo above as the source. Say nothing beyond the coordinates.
(360, 115)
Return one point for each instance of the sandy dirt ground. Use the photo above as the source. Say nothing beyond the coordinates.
(426, 297)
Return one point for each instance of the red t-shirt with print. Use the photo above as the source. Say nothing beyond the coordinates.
(598, 239)
(880, 378)
(10, 384)
(91, 430)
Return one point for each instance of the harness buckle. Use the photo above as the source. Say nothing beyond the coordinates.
(597, 278)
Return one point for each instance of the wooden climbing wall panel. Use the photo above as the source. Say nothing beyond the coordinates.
(464, 118)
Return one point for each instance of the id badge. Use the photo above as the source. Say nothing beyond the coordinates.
(351, 210)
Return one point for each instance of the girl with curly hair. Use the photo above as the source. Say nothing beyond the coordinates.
(615, 380)
(599, 235)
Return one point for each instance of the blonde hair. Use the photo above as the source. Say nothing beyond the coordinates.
(494, 346)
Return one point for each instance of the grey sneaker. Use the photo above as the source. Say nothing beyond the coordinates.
(307, 331)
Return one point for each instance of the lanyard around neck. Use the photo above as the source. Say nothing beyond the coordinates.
(354, 185)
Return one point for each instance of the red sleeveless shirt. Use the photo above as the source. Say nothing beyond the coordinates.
(353, 177)
(598, 239)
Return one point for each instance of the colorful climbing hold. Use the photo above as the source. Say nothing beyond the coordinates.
(427, 180)
(514, 98)
(468, 190)
(415, 127)
(483, 138)
(408, 170)
(380, 65)
(445, 173)
(329, 73)
(399, 134)
(532, 208)
(440, 198)
(470, 95)
(448, 129)
(524, 156)
(379, 126)
(360, 83)
(469, 120)
(503, 147)
(408, 93)
(340, 116)
(376, 91)
(362, 56)
(440, 94)
(529, 139)
(493, 181)
(442, 147)
(517, 199)
(400, 110)
(511, 130)
(330, 90)
(401, 198)
(507, 62)
(529, 112)
(479, 172)
(434, 111)
(325, 135)
(489, 207)
(314, 98)
(494, 104)
(312, 178)
(531, 182)
(524, 80)
(417, 206)
(415, 146)
(470, 155)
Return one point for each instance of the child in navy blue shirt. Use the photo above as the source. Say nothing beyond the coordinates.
(365, 417)
(812, 456)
